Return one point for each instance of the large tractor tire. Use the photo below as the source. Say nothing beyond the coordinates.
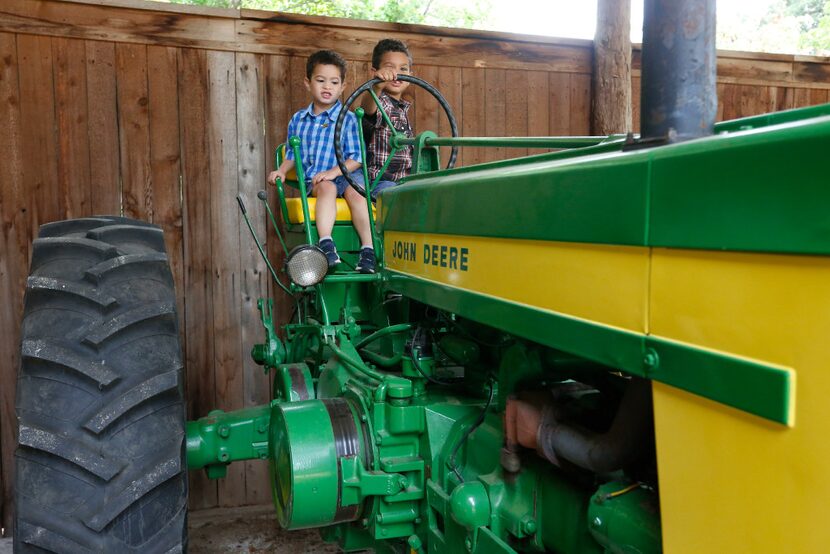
(100, 464)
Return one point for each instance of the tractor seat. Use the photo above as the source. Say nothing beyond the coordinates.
(295, 205)
(295, 210)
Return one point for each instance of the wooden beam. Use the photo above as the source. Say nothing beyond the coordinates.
(611, 106)
(284, 34)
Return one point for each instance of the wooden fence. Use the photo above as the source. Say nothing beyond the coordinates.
(166, 113)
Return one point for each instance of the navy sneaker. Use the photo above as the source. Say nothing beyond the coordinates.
(366, 263)
(327, 246)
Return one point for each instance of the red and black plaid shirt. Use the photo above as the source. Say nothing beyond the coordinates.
(377, 135)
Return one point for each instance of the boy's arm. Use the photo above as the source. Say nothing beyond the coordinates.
(288, 163)
(351, 151)
(334, 172)
(368, 103)
(281, 172)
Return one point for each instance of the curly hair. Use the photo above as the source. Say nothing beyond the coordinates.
(325, 57)
(389, 45)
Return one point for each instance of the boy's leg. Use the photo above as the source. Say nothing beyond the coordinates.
(360, 215)
(360, 220)
(326, 211)
(325, 214)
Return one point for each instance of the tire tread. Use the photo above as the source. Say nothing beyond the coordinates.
(115, 464)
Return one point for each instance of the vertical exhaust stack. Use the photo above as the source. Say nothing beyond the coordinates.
(679, 67)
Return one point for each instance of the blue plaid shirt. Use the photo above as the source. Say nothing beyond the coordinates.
(317, 135)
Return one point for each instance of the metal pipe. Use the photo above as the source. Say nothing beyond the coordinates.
(397, 328)
(295, 142)
(602, 452)
(353, 278)
(679, 95)
(381, 360)
(224, 437)
(364, 165)
(510, 142)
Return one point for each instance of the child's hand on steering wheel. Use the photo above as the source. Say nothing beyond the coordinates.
(385, 75)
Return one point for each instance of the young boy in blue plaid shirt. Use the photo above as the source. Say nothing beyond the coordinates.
(314, 125)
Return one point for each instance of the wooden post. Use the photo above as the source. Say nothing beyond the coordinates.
(611, 105)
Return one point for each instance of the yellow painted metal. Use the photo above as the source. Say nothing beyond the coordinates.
(729, 481)
(605, 284)
(295, 210)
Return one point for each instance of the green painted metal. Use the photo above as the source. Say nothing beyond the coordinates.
(393, 142)
(264, 199)
(384, 470)
(621, 518)
(295, 143)
(394, 130)
(610, 346)
(376, 242)
(509, 142)
(470, 505)
(754, 387)
(353, 278)
(761, 190)
(600, 199)
(293, 383)
(612, 143)
(565, 502)
(774, 118)
(462, 350)
(539, 508)
(224, 437)
(255, 238)
(278, 159)
(425, 157)
(488, 543)
(359, 483)
(271, 353)
(380, 333)
(387, 424)
(304, 464)
(724, 192)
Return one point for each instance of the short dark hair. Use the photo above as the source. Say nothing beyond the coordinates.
(325, 57)
(389, 45)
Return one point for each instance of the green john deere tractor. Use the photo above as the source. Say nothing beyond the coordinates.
(594, 349)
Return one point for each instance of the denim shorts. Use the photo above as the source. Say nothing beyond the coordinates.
(342, 184)
(383, 185)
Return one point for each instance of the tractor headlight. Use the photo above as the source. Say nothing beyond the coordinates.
(306, 265)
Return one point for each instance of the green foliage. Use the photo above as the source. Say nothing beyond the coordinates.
(446, 13)
(814, 9)
(817, 39)
(786, 26)
(811, 17)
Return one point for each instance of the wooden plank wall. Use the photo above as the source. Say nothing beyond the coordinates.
(751, 84)
(166, 113)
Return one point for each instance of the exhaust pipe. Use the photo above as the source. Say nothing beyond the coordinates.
(679, 68)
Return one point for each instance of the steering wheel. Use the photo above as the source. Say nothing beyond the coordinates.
(338, 126)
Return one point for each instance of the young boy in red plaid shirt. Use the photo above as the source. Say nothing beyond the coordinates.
(390, 58)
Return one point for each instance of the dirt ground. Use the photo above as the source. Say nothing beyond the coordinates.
(250, 530)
